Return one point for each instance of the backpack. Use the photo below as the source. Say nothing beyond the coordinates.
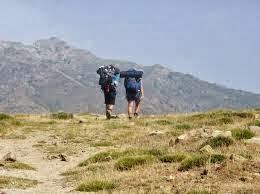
(132, 85)
(107, 77)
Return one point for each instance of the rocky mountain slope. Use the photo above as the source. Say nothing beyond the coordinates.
(51, 75)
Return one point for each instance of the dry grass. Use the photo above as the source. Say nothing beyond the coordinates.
(125, 158)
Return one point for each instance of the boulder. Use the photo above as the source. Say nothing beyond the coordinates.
(9, 157)
(254, 140)
(255, 129)
(236, 157)
(156, 132)
(217, 133)
(194, 134)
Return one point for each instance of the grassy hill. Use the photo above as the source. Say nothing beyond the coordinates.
(211, 152)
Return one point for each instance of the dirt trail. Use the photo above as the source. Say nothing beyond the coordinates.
(48, 171)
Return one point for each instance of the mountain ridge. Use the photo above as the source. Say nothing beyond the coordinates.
(50, 75)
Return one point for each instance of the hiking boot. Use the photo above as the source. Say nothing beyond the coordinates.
(108, 114)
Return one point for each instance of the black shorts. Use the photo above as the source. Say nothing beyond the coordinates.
(110, 97)
(133, 97)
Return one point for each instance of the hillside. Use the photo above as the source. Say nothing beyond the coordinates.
(203, 153)
(51, 75)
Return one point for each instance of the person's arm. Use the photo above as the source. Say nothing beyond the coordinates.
(142, 89)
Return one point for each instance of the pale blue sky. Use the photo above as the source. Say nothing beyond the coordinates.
(215, 40)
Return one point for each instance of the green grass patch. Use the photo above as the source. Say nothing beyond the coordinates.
(199, 192)
(218, 141)
(242, 134)
(13, 182)
(115, 125)
(193, 161)
(183, 126)
(257, 123)
(163, 122)
(62, 116)
(102, 144)
(5, 117)
(127, 163)
(113, 154)
(217, 158)
(96, 185)
(16, 165)
(170, 158)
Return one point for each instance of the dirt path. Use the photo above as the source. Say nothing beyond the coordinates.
(48, 171)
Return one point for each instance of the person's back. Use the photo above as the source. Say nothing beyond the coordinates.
(134, 90)
(109, 77)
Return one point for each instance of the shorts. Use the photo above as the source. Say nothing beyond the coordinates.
(110, 97)
(133, 97)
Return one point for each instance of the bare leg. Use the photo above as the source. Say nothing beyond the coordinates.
(109, 108)
(137, 107)
(130, 108)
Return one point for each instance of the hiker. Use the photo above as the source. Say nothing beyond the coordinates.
(134, 90)
(109, 78)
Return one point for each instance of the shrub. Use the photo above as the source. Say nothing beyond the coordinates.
(127, 163)
(218, 141)
(62, 115)
(96, 185)
(169, 158)
(242, 134)
(192, 161)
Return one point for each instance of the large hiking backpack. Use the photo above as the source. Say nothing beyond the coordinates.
(108, 75)
(132, 85)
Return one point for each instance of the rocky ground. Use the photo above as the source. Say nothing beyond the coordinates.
(213, 152)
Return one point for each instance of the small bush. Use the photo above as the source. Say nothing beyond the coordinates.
(5, 117)
(170, 158)
(62, 116)
(242, 134)
(192, 161)
(129, 162)
(217, 158)
(218, 141)
(96, 185)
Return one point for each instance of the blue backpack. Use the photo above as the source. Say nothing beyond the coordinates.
(132, 85)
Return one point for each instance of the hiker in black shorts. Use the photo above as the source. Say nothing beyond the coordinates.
(109, 77)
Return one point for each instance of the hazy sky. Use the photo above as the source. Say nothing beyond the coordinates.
(215, 40)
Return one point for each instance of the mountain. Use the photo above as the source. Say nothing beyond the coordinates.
(51, 75)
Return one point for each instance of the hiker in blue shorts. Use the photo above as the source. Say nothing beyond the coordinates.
(134, 91)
